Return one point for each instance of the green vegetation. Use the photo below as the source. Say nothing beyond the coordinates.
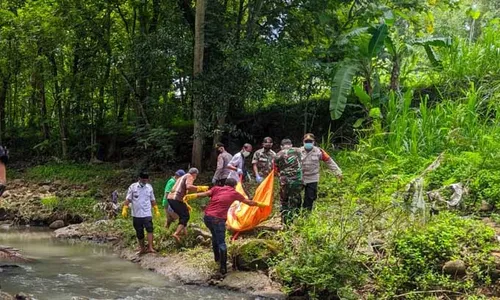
(409, 90)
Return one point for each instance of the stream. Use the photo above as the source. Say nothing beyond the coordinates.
(65, 269)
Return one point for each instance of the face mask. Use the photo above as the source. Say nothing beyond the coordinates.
(142, 184)
(308, 146)
(246, 153)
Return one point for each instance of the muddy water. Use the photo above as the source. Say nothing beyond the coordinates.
(64, 270)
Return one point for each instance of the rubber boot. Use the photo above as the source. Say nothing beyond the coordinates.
(223, 262)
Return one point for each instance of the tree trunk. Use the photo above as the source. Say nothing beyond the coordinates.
(60, 111)
(119, 119)
(199, 42)
(395, 75)
(38, 97)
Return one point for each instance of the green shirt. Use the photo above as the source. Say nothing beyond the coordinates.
(170, 184)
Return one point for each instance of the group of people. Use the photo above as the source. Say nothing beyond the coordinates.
(298, 169)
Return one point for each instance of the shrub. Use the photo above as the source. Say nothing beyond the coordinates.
(418, 254)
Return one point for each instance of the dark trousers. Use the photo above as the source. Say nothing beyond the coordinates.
(291, 201)
(217, 227)
(310, 195)
(181, 209)
(141, 224)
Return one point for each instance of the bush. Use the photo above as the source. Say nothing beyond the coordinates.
(418, 254)
(486, 187)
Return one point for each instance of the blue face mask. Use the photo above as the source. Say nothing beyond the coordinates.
(308, 146)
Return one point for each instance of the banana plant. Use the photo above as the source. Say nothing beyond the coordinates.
(363, 64)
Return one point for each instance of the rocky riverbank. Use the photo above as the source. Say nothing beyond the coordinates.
(25, 203)
(178, 267)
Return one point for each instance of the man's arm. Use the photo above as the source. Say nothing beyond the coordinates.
(235, 163)
(152, 197)
(332, 165)
(255, 160)
(197, 195)
(189, 184)
(220, 167)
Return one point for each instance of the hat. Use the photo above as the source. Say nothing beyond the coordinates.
(286, 142)
(193, 171)
(180, 172)
(309, 136)
(144, 175)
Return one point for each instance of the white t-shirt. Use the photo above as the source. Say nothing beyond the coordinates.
(237, 161)
(140, 198)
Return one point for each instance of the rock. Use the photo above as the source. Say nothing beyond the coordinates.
(454, 267)
(5, 296)
(125, 164)
(69, 232)
(200, 232)
(200, 239)
(22, 296)
(485, 206)
(254, 254)
(57, 183)
(45, 188)
(254, 283)
(57, 224)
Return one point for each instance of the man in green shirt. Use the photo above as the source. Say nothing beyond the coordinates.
(169, 212)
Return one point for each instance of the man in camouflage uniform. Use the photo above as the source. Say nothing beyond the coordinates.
(288, 164)
(263, 160)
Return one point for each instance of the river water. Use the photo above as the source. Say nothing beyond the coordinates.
(64, 269)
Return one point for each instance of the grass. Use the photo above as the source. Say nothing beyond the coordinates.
(74, 173)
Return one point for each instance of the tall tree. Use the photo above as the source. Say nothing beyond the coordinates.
(199, 48)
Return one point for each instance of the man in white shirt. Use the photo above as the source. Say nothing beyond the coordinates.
(140, 194)
(236, 164)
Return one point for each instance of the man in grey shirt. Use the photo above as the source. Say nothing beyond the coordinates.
(223, 159)
(142, 198)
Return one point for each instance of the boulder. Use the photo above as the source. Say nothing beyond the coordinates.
(57, 224)
(254, 254)
(485, 206)
(454, 267)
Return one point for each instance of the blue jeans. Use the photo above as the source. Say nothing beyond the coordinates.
(217, 227)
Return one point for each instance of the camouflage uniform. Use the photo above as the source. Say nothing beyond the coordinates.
(288, 163)
(264, 161)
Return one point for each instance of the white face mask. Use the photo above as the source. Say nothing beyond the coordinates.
(245, 153)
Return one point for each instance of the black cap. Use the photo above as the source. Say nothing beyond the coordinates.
(144, 175)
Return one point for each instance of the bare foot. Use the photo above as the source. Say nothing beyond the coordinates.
(177, 238)
(151, 250)
(140, 252)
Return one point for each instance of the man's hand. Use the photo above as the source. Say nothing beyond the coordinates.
(124, 211)
(260, 205)
(239, 171)
(214, 181)
(202, 188)
(157, 211)
(258, 178)
(189, 197)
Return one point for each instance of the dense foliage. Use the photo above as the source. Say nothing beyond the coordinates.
(410, 89)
